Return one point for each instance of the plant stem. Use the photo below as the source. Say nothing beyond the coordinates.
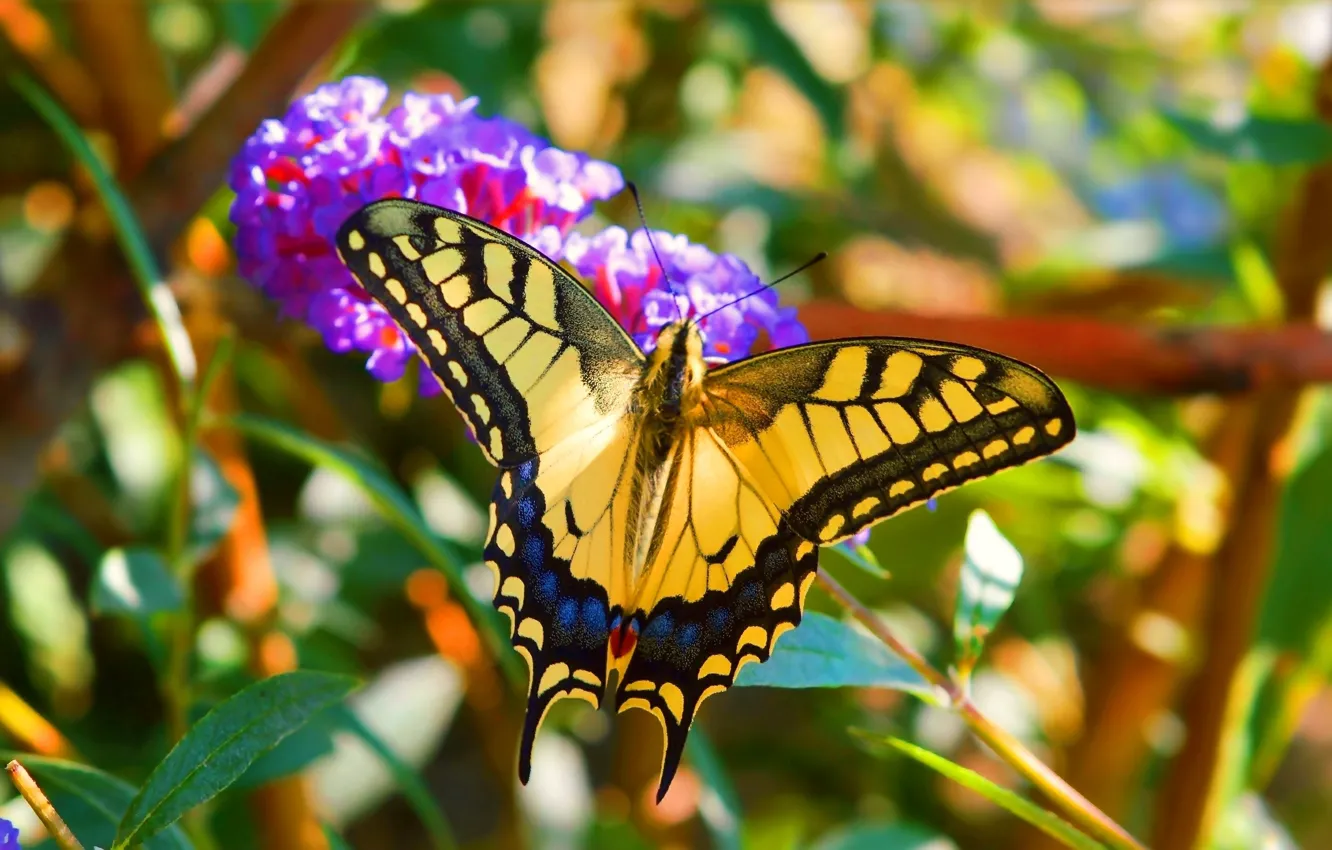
(46, 813)
(1005, 745)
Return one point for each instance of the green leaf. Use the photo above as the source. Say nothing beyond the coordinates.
(134, 581)
(296, 752)
(1033, 814)
(884, 836)
(409, 781)
(220, 747)
(860, 557)
(720, 806)
(213, 503)
(90, 801)
(825, 653)
(1273, 141)
(394, 505)
(991, 571)
(153, 287)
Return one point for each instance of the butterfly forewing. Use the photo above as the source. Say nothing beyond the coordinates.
(527, 355)
(841, 435)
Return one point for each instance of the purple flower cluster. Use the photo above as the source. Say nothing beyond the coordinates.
(9, 836)
(626, 278)
(298, 178)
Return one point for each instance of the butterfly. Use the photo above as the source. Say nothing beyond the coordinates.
(656, 519)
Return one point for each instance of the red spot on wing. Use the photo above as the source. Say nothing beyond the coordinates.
(623, 639)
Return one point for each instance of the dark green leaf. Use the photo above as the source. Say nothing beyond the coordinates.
(1274, 141)
(826, 653)
(90, 801)
(134, 581)
(1026, 810)
(220, 747)
(886, 836)
(296, 752)
(991, 571)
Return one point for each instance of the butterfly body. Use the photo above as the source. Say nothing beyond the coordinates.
(656, 520)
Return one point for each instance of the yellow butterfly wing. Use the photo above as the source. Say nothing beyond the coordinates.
(798, 448)
(729, 576)
(523, 350)
(841, 435)
(543, 374)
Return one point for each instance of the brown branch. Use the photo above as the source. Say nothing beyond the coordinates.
(1125, 358)
(1187, 806)
(191, 169)
(118, 46)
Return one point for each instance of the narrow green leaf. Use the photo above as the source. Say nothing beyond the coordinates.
(397, 509)
(409, 781)
(826, 653)
(719, 806)
(1273, 141)
(295, 753)
(90, 801)
(884, 836)
(1033, 814)
(134, 581)
(152, 286)
(991, 571)
(860, 557)
(221, 746)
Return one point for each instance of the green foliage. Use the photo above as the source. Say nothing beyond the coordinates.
(991, 571)
(828, 653)
(1029, 812)
(91, 802)
(220, 747)
(134, 582)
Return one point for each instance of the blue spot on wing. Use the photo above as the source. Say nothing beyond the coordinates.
(566, 612)
(688, 635)
(544, 586)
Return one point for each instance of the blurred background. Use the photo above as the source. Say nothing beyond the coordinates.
(1134, 196)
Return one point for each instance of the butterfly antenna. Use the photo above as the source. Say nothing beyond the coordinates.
(670, 287)
(818, 258)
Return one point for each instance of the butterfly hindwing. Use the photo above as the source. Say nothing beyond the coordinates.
(841, 435)
(524, 351)
(728, 577)
(556, 546)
